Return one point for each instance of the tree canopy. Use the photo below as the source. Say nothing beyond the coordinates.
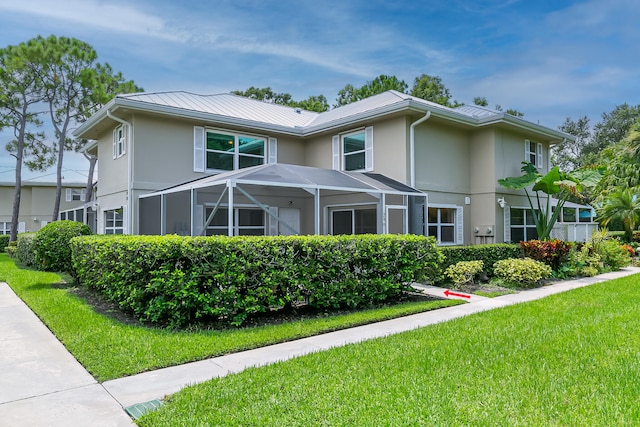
(61, 76)
(266, 94)
(380, 84)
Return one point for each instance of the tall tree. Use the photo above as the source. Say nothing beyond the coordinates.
(73, 84)
(380, 84)
(20, 94)
(568, 155)
(432, 89)
(622, 160)
(613, 127)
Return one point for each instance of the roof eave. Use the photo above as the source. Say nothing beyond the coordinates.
(555, 136)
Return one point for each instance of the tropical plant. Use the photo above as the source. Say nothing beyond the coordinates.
(622, 206)
(555, 184)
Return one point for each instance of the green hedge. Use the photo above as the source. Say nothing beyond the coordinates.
(488, 254)
(180, 281)
(51, 244)
(25, 253)
(4, 241)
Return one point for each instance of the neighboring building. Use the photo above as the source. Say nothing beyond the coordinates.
(174, 162)
(36, 203)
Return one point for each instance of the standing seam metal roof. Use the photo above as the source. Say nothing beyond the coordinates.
(229, 105)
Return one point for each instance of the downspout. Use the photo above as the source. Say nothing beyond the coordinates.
(412, 147)
(129, 165)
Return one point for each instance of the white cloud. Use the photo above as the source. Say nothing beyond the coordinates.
(111, 16)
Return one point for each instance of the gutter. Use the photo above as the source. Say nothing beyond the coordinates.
(412, 147)
(129, 165)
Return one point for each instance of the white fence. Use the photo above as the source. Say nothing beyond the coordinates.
(573, 232)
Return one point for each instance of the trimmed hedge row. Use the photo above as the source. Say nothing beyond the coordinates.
(179, 281)
(488, 254)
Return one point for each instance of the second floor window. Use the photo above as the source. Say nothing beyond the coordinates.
(217, 150)
(75, 194)
(119, 141)
(229, 152)
(533, 153)
(353, 151)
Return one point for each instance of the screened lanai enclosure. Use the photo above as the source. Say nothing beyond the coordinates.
(282, 199)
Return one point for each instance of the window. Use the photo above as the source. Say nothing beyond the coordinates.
(533, 152)
(119, 141)
(227, 151)
(248, 222)
(353, 151)
(569, 215)
(114, 221)
(354, 221)
(75, 194)
(523, 227)
(585, 215)
(441, 224)
(5, 227)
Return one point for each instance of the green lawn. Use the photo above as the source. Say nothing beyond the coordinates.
(572, 359)
(109, 349)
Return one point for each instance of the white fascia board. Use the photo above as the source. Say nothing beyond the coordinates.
(94, 119)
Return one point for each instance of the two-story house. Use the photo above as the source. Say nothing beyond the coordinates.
(36, 203)
(177, 162)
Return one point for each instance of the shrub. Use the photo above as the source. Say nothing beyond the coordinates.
(488, 254)
(4, 241)
(612, 254)
(554, 253)
(521, 272)
(51, 244)
(584, 262)
(180, 281)
(25, 251)
(464, 271)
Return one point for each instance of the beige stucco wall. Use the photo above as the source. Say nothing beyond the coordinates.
(36, 203)
(442, 158)
(389, 147)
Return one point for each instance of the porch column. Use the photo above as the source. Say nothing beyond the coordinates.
(230, 209)
(316, 211)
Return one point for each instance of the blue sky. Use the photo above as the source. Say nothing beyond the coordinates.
(547, 59)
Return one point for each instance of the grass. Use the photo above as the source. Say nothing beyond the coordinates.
(493, 294)
(109, 349)
(572, 359)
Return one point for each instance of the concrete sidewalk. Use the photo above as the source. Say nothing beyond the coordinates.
(42, 384)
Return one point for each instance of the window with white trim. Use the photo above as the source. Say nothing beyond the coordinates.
(114, 221)
(522, 224)
(247, 222)
(445, 224)
(354, 221)
(75, 194)
(119, 141)
(533, 153)
(353, 151)
(217, 150)
(5, 227)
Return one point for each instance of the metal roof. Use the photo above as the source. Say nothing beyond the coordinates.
(226, 104)
(228, 109)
